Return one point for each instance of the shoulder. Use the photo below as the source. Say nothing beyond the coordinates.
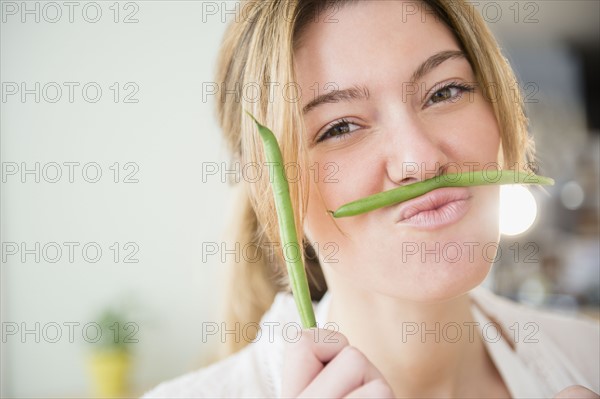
(234, 376)
(566, 329)
(560, 344)
(253, 372)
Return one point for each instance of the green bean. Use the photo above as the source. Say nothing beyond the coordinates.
(405, 193)
(287, 227)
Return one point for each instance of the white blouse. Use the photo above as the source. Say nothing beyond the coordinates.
(538, 353)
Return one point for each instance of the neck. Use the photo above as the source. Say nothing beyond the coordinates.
(423, 350)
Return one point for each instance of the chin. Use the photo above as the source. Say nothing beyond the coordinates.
(436, 282)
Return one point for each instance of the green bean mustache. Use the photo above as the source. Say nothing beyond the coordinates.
(405, 193)
(287, 227)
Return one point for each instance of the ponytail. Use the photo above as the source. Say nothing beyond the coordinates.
(253, 282)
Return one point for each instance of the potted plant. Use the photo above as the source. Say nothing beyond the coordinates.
(111, 357)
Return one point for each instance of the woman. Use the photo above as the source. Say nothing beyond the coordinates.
(366, 96)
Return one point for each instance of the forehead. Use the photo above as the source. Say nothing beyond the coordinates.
(372, 41)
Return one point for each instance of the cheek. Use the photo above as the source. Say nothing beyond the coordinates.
(479, 136)
(326, 194)
(335, 181)
(348, 174)
(333, 184)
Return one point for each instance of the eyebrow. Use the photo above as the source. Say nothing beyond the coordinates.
(335, 96)
(362, 92)
(434, 61)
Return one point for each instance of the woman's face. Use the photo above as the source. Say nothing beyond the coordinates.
(407, 109)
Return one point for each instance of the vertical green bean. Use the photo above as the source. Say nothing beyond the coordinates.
(287, 227)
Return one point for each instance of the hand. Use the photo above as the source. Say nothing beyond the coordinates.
(322, 364)
(576, 391)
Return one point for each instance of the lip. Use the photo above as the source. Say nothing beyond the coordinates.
(436, 209)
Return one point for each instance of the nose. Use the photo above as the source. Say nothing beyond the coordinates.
(415, 152)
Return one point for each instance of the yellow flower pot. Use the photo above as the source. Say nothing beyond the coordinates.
(110, 371)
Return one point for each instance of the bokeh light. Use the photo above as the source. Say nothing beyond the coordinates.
(518, 210)
(572, 195)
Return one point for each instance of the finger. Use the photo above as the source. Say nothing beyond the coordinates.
(349, 370)
(576, 391)
(377, 388)
(305, 359)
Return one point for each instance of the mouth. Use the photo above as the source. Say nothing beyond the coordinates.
(435, 209)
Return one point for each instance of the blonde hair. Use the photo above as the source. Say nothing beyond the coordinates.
(256, 55)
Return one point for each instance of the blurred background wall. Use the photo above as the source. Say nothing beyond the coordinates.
(107, 131)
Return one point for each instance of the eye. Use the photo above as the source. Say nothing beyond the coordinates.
(338, 130)
(451, 92)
